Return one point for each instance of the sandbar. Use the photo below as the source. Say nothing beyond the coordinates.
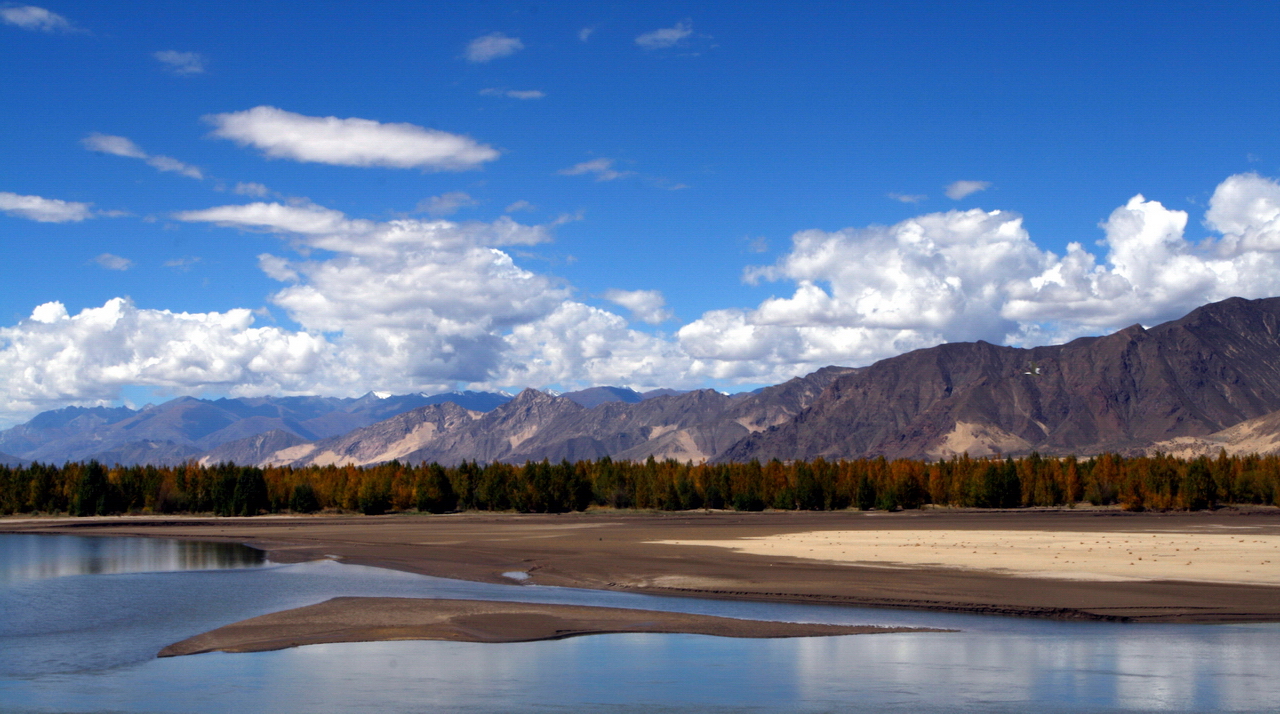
(366, 619)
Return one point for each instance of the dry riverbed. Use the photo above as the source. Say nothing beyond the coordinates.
(1069, 564)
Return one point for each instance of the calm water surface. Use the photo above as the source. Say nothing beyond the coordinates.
(82, 618)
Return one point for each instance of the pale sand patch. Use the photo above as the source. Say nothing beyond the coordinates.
(1230, 557)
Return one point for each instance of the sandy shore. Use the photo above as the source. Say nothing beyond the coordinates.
(666, 554)
(365, 619)
(1202, 554)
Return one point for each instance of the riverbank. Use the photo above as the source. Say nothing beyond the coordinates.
(718, 555)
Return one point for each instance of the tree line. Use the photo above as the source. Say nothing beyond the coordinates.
(1157, 482)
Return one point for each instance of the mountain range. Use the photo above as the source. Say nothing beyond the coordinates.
(1207, 381)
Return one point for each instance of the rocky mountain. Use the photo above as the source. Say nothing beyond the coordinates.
(396, 438)
(695, 426)
(1207, 381)
(178, 429)
(65, 423)
(595, 396)
(1214, 368)
(252, 450)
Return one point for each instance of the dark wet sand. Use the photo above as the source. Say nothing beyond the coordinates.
(616, 551)
(367, 619)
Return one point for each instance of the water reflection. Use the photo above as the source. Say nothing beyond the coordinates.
(87, 643)
(644, 672)
(34, 557)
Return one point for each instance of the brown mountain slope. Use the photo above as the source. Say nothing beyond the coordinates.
(1214, 368)
(497, 435)
(534, 426)
(1255, 436)
(692, 426)
(393, 438)
(255, 449)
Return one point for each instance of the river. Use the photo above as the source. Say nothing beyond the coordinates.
(82, 618)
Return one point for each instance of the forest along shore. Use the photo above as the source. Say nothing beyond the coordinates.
(910, 559)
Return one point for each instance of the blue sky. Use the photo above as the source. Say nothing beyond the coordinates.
(499, 195)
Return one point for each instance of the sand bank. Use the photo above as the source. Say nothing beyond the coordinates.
(366, 619)
(637, 552)
(1205, 554)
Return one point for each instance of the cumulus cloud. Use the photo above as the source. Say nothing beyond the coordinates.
(419, 305)
(113, 262)
(959, 189)
(36, 19)
(180, 63)
(122, 146)
(864, 294)
(665, 37)
(521, 205)
(53, 358)
(492, 46)
(428, 301)
(585, 33)
(349, 142)
(44, 210)
(645, 305)
(582, 345)
(513, 93)
(601, 168)
(446, 204)
(401, 305)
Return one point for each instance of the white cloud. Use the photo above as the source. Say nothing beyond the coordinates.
(113, 262)
(665, 37)
(419, 305)
(577, 344)
(349, 142)
(307, 219)
(413, 302)
(446, 204)
(865, 294)
(513, 93)
(645, 305)
(49, 312)
(53, 358)
(426, 304)
(1246, 209)
(168, 163)
(115, 145)
(602, 168)
(959, 189)
(585, 33)
(255, 190)
(492, 46)
(122, 146)
(908, 197)
(521, 205)
(30, 17)
(44, 210)
(181, 63)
